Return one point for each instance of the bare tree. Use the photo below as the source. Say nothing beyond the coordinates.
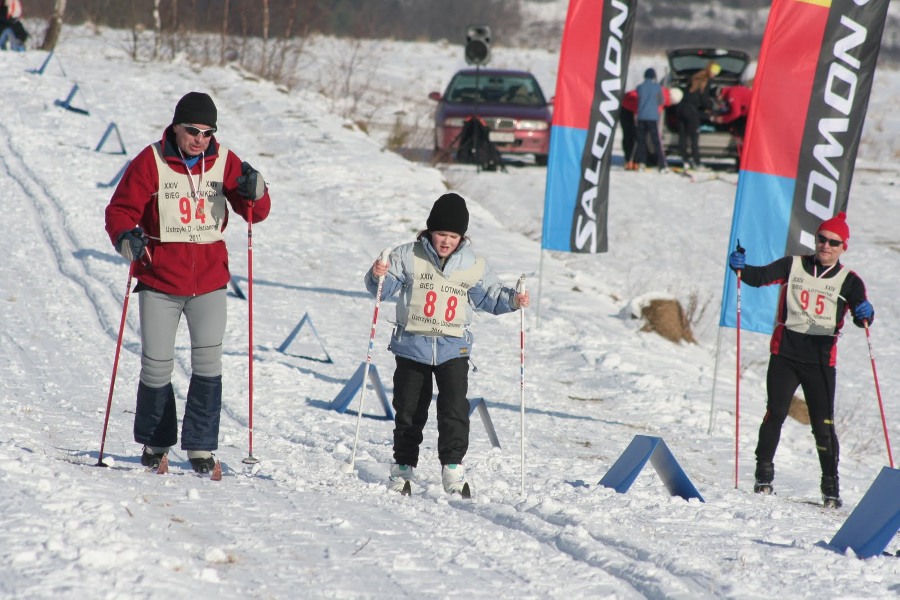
(157, 26)
(173, 32)
(264, 60)
(54, 27)
(224, 33)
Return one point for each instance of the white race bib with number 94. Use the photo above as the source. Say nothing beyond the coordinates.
(186, 215)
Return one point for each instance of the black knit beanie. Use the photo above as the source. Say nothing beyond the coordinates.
(449, 213)
(195, 108)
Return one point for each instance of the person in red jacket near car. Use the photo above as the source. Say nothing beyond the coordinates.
(736, 100)
(168, 216)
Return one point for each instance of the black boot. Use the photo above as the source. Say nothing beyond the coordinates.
(203, 465)
(151, 459)
(765, 473)
(831, 495)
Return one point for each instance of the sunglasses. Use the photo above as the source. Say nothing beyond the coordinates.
(195, 131)
(824, 240)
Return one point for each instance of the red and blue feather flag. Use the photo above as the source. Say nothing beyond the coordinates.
(593, 64)
(810, 97)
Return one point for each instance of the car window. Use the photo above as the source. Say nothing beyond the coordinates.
(468, 88)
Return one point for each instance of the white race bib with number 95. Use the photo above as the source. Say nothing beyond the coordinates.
(438, 304)
(812, 302)
(186, 215)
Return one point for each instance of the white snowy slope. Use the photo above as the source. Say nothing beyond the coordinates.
(295, 526)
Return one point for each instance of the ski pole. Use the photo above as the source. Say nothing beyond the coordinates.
(520, 289)
(887, 440)
(348, 467)
(737, 387)
(250, 460)
(112, 379)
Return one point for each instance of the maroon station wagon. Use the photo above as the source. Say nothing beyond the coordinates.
(510, 103)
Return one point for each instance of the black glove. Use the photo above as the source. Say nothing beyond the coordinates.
(131, 244)
(251, 184)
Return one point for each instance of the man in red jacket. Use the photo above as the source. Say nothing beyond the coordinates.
(168, 216)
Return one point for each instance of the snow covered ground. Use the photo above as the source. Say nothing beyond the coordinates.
(296, 527)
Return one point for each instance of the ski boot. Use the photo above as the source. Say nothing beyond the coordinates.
(453, 477)
(399, 480)
(765, 473)
(151, 457)
(201, 461)
(831, 497)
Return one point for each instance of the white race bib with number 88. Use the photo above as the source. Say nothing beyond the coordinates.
(438, 304)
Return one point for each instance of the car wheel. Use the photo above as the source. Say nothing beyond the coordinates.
(540, 160)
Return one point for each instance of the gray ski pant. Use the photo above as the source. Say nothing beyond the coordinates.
(155, 420)
(160, 315)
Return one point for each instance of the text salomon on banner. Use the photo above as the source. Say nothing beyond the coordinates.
(593, 63)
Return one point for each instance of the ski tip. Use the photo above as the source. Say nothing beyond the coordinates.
(407, 489)
(163, 467)
(216, 474)
(466, 491)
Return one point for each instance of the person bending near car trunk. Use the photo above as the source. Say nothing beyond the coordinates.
(816, 292)
(168, 217)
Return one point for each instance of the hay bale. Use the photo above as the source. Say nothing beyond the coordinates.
(799, 411)
(667, 318)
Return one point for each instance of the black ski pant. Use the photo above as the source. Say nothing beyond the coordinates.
(689, 131)
(629, 133)
(648, 131)
(412, 399)
(817, 381)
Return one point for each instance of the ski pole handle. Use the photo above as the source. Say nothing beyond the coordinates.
(385, 257)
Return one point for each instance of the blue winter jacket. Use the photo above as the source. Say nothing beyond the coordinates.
(488, 294)
(650, 98)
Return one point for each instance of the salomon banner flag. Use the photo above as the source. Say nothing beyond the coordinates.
(593, 63)
(810, 97)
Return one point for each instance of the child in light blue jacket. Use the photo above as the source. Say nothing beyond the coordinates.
(441, 282)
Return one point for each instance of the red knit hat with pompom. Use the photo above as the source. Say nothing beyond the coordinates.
(838, 226)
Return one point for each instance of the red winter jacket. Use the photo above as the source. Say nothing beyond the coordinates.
(178, 268)
(737, 98)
